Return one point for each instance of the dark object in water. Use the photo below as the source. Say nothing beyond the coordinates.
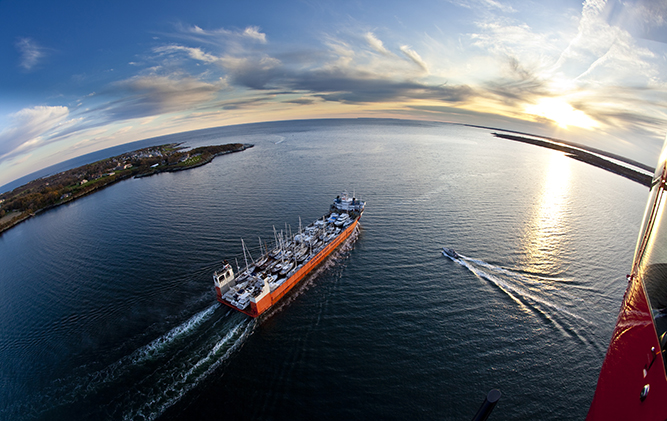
(487, 406)
(450, 253)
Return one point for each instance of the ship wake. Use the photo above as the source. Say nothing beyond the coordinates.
(147, 381)
(153, 376)
(543, 296)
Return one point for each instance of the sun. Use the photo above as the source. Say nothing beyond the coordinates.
(562, 113)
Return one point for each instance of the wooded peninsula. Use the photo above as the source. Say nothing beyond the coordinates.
(47, 192)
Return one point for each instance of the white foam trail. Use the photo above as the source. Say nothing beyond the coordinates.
(521, 292)
(169, 384)
(159, 344)
(162, 371)
(181, 383)
(151, 350)
(521, 277)
(513, 291)
(70, 390)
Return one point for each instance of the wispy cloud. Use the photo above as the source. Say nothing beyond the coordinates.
(375, 43)
(301, 101)
(647, 20)
(193, 53)
(414, 56)
(603, 52)
(635, 109)
(579, 61)
(255, 72)
(510, 38)
(484, 5)
(242, 103)
(31, 53)
(31, 128)
(250, 33)
(358, 87)
(343, 73)
(499, 64)
(153, 94)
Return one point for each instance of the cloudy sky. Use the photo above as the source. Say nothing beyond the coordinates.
(79, 76)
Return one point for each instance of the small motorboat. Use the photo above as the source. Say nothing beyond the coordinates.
(450, 253)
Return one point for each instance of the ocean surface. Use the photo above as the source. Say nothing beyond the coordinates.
(107, 308)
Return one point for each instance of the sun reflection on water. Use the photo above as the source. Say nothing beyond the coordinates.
(545, 238)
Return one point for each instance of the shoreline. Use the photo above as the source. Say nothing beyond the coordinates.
(588, 158)
(169, 162)
(551, 140)
(83, 187)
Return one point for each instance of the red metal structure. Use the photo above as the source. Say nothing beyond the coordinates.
(633, 380)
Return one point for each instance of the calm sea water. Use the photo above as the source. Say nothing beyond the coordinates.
(107, 309)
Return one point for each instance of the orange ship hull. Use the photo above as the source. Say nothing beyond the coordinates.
(272, 298)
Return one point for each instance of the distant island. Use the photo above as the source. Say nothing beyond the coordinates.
(47, 192)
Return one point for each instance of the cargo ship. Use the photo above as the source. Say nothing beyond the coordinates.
(262, 283)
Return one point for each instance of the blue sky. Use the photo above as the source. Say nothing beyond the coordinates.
(82, 76)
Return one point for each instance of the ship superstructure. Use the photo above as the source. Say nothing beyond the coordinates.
(263, 282)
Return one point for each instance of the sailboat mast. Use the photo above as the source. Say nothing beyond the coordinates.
(244, 255)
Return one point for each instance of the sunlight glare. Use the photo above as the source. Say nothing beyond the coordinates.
(562, 113)
(545, 242)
